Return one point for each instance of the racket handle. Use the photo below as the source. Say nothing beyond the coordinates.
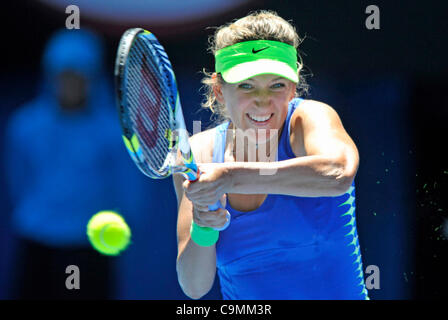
(205, 236)
(215, 207)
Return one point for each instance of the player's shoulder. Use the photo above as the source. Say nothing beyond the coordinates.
(309, 106)
(312, 110)
(202, 145)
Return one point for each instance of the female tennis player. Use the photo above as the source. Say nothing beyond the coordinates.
(293, 232)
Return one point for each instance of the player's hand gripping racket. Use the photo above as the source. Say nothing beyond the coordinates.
(151, 116)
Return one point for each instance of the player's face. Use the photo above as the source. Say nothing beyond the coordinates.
(260, 102)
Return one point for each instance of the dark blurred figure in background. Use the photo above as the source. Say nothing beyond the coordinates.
(65, 162)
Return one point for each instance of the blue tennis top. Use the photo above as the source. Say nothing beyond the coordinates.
(290, 248)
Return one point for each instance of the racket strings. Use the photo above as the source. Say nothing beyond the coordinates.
(148, 98)
(151, 92)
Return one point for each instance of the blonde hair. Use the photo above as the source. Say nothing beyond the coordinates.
(258, 25)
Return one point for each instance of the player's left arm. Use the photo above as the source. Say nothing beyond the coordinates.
(324, 135)
(327, 169)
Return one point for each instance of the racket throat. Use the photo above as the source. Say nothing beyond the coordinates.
(188, 173)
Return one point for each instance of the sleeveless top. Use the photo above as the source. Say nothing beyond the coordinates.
(290, 248)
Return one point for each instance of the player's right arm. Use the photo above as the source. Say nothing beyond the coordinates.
(196, 265)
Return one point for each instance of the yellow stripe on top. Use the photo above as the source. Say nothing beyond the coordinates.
(135, 143)
(127, 143)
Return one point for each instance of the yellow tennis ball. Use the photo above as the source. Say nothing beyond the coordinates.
(108, 233)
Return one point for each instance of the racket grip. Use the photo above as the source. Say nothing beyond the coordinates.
(205, 236)
(215, 207)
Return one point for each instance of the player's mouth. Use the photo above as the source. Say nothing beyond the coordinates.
(259, 119)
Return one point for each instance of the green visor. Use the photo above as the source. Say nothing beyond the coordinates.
(248, 59)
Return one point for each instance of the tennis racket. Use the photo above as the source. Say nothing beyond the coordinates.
(150, 113)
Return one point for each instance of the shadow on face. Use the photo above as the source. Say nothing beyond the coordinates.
(72, 91)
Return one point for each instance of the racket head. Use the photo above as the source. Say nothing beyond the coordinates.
(147, 102)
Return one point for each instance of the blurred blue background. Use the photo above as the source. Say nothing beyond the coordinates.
(388, 86)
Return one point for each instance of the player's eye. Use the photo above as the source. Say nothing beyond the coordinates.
(278, 85)
(245, 86)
